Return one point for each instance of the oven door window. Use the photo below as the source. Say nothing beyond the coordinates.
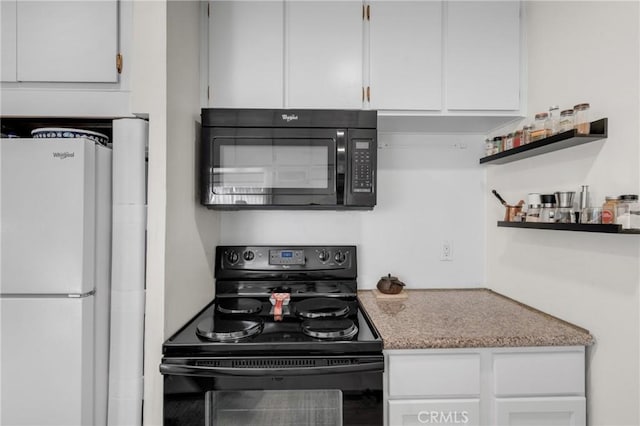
(286, 166)
(274, 407)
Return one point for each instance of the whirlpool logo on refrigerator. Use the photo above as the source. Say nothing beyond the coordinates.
(289, 117)
(64, 155)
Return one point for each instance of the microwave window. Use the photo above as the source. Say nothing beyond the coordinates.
(274, 166)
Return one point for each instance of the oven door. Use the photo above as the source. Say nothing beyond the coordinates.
(296, 391)
(272, 167)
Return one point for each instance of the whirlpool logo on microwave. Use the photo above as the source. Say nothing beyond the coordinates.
(289, 117)
(64, 155)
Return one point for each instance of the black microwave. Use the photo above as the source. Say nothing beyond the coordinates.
(288, 159)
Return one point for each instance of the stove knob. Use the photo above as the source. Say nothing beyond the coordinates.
(232, 256)
(324, 255)
(248, 255)
(340, 257)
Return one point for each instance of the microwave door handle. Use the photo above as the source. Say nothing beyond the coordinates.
(200, 371)
(341, 165)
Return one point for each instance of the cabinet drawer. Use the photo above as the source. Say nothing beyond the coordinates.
(530, 374)
(436, 411)
(561, 411)
(434, 375)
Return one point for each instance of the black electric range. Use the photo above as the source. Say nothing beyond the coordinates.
(285, 320)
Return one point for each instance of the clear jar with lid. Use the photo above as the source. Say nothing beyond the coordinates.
(553, 120)
(628, 212)
(497, 144)
(581, 118)
(526, 134)
(566, 120)
(609, 209)
(539, 130)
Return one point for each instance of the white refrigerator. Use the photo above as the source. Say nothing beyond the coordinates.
(55, 265)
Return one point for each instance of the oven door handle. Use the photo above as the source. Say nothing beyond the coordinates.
(192, 370)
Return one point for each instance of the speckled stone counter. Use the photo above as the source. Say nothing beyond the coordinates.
(466, 318)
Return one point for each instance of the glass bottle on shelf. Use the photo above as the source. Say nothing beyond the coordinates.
(553, 120)
(566, 120)
(581, 118)
(539, 126)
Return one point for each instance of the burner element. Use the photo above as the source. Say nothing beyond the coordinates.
(227, 330)
(321, 307)
(238, 306)
(330, 329)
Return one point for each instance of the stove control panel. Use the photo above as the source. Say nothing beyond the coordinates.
(255, 261)
(286, 257)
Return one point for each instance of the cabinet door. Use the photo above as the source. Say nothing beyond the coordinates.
(560, 411)
(324, 54)
(246, 54)
(436, 411)
(8, 40)
(67, 41)
(406, 55)
(483, 55)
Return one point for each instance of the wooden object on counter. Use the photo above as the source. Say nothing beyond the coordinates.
(390, 297)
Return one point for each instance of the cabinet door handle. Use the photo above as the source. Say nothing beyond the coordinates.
(368, 93)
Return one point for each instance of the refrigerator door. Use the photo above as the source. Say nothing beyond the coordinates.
(47, 368)
(47, 216)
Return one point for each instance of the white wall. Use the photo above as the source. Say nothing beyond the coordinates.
(581, 51)
(149, 96)
(430, 189)
(191, 229)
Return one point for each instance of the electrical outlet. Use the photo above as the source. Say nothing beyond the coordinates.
(446, 253)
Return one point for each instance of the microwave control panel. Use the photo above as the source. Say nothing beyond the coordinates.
(362, 167)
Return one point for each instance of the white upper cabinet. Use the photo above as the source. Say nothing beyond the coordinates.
(65, 58)
(246, 54)
(8, 40)
(405, 55)
(324, 45)
(483, 55)
(60, 41)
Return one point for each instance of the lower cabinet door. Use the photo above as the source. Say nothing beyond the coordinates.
(441, 412)
(556, 411)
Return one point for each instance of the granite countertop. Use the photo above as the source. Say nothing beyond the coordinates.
(466, 318)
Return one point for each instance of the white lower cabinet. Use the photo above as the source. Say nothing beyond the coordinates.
(550, 411)
(435, 411)
(526, 386)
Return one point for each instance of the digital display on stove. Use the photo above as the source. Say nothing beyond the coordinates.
(286, 257)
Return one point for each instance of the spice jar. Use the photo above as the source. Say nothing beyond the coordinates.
(488, 147)
(566, 120)
(609, 209)
(517, 138)
(581, 117)
(508, 141)
(526, 134)
(497, 144)
(628, 212)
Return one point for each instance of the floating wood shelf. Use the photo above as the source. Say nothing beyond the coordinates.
(557, 142)
(580, 227)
